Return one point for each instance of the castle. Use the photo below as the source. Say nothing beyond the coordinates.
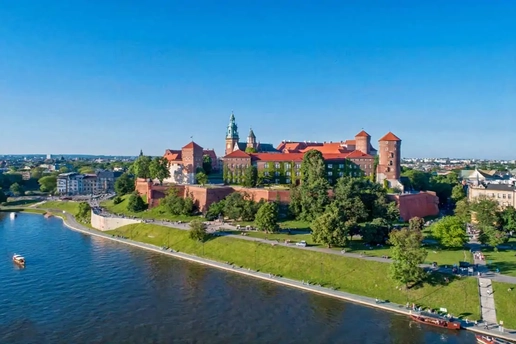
(281, 165)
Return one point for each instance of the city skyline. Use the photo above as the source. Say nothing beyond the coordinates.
(117, 78)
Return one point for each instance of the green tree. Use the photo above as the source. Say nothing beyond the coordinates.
(462, 210)
(250, 177)
(124, 184)
(329, 229)
(207, 164)
(3, 197)
(215, 210)
(36, 173)
(490, 235)
(84, 212)
(509, 219)
(198, 231)
(174, 204)
(375, 232)
(450, 231)
(458, 193)
(16, 189)
(267, 217)
(86, 170)
(309, 200)
(64, 169)
(135, 203)
(407, 255)
(158, 169)
(141, 167)
(201, 178)
(419, 180)
(47, 183)
(416, 223)
(487, 212)
(250, 150)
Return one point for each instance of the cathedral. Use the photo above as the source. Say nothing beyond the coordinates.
(252, 145)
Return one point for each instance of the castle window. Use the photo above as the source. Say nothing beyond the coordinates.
(287, 166)
(276, 174)
(287, 173)
(341, 165)
(298, 174)
(509, 196)
(341, 174)
(330, 173)
(330, 166)
(232, 165)
(287, 180)
(388, 169)
(503, 196)
(277, 165)
(350, 174)
(298, 166)
(266, 165)
(276, 181)
(390, 163)
(266, 173)
(392, 155)
(498, 195)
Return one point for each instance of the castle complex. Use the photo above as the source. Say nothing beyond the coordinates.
(282, 165)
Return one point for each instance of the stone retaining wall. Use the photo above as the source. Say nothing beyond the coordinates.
(109, 223)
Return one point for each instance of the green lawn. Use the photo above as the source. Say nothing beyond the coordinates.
(505, 260)
(68, 206)
(19, 202)
(157, 213)
(356, 276)
(505, 303)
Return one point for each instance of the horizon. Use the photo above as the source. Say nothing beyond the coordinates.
(119, 77)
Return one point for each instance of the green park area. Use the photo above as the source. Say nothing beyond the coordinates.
(156, 213)
(459, 296)
(68, 206)
(505, 303)
(504, 260)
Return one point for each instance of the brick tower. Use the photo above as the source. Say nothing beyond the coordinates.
(231, 135)
(363, 142)
(389, 168)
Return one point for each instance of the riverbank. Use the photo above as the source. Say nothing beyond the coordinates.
(70, 222)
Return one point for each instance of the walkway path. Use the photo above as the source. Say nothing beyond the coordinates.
(70, 222)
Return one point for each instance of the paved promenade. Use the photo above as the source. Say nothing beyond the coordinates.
(70, 222)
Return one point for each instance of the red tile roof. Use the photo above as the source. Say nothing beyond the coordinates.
(238, 154)
(350, 142)
(173, 155)
(390, 137)
(359, 154)
(192, 145)
(362, 134)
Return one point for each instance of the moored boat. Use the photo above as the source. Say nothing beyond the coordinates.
(433, 320)
(18, 259)
(483, 339)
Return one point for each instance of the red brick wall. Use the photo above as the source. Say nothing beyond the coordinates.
(421, 204)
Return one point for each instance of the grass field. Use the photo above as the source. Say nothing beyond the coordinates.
(156, 213)
(19, 202)
(356, 276)
(505, 260)
(505, 303)
(68, 206)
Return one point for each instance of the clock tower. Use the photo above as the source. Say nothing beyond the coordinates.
(231, 135)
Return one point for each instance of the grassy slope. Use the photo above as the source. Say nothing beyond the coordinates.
(505, 260)
(352, 275)
(505, 302)
(68, 206)
(156, 213)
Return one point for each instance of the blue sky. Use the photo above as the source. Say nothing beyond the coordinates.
(114, 77)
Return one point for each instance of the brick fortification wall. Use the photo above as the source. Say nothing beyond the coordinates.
(109, 223)
(420, 204)
(410, 205)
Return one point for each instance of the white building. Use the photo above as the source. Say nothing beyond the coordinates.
(70, 183)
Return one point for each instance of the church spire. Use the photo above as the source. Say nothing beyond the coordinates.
(232, 132)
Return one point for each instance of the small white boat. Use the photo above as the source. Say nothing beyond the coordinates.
(18, 259)
(13, 216)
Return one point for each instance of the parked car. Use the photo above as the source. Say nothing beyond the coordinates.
(302, 243)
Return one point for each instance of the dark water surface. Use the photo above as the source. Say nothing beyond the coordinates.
(82, 289)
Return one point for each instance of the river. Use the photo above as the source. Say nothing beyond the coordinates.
(82, 289)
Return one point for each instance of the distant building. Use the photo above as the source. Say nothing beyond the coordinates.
(504, 194)
(73, 183)
(233, 144)
(477, 177)
(89, 183)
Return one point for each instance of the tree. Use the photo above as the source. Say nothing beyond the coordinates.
(36, 173)
(135, 203)
(207, 164)
(463, 211)
(490, 235)
(174, 204)
(267, 217)
(450, 231)
(16, 189)
(487, 212)
(250, 177)
(375, 232)
(86, 170)
(509, 219)
(309, 200)
(416, 224)
(250, 150)
(84, 212)
(124, 184)
(328, 229)
(3, 197)
(158, 169)
(458, 193)
(201, 178)
(419, 180)
(215, 210)
(407, 255)
(64, 169)
(47, 183)
(198, 230)
(141, 167)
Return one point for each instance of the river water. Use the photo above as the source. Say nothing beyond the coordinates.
(82, 289)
